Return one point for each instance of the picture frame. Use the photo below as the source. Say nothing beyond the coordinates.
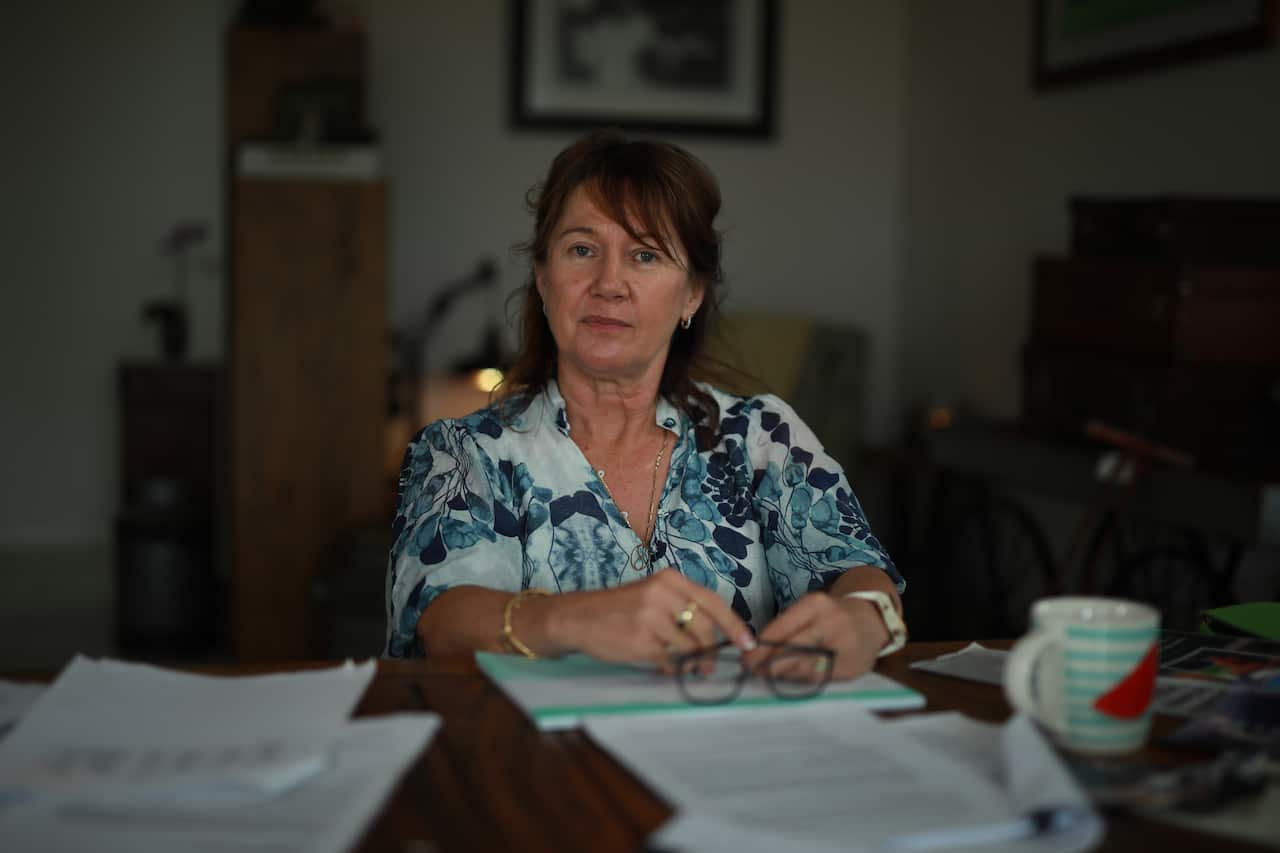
(1079, 41)
(707, 67)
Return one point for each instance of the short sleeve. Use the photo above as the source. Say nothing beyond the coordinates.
(812, 527)
(454, 526)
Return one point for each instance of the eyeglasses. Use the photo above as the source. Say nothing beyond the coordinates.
(715, 674)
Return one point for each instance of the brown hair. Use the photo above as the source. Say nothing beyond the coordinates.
(649, 188)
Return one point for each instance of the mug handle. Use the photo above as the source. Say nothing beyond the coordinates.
(1018, 669)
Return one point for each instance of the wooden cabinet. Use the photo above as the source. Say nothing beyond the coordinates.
(168, 599)
(1159, 311)
(1163, 323)
(307, 393)
(263, 64)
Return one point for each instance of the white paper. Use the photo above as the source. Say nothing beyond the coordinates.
(15, 698)
(700, 833)
(1015, 758)
(972, 743)
(973, 663)
(325, 814)
(136, 703)
(829, 778)
(112, 731)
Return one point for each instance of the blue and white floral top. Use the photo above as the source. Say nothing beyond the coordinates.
(761, 518)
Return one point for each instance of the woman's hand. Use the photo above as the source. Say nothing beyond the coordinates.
(643, 622)
(851, 627)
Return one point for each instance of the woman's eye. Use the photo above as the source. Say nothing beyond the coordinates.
(644, 256)
(580, 251)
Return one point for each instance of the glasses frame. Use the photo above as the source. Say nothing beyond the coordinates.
(681, 661)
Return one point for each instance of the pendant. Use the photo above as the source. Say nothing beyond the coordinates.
(639, 558)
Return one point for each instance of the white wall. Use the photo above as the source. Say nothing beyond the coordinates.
(112, 133)
(813, 217)
(990, 164)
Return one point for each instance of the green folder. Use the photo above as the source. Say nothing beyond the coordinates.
(561, 693)
(1253, 619)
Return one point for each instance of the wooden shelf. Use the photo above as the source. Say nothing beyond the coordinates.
(307, 373)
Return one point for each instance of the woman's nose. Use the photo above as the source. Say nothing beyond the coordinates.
(611, 281)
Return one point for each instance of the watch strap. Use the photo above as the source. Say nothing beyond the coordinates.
(892, 621)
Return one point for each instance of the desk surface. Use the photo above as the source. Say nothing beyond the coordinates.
(491, 781)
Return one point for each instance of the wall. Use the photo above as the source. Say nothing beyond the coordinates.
(990, 164)
(120, 120)
(112, 133)
(812, 217)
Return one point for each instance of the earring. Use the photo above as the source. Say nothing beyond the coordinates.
(686, 322)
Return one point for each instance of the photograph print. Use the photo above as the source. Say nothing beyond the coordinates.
(1077, 41)
(660, 65)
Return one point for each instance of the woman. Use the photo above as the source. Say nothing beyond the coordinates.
(659, 512)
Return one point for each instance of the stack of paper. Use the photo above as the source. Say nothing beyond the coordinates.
(117, 756)
(15, 698)
(827, 778)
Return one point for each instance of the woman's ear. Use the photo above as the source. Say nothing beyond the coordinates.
(538, 285)
(697, 291)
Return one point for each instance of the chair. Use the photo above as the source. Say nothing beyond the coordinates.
(818, 366)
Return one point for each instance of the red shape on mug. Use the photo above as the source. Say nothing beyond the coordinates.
(1132, 696)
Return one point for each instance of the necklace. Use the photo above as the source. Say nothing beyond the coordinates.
(640, 559)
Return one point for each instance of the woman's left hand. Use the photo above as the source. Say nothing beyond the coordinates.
(850, 627)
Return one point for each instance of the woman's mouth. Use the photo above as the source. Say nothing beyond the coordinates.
(598, 322)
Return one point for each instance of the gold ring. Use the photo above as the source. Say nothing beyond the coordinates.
(820, 665)
(684, 617)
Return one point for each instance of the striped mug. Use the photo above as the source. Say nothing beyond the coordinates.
(1087, 671)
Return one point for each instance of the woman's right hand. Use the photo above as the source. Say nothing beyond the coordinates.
(640, 622)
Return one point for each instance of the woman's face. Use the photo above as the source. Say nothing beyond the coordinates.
(612, 301)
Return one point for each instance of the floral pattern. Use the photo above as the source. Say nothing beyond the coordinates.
(504, 499)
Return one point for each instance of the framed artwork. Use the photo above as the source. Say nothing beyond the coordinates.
(657, 65)
(1081, 40)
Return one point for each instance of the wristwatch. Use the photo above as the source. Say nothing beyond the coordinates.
(892, 621)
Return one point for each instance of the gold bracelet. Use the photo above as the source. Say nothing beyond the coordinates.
(514, 642)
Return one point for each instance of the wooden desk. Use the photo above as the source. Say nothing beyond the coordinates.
(491, 781)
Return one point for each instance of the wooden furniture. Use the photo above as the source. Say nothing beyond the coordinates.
(308, 393)
(263, 63)
(491, 781)
(1181, 229)
(167, 593)
(307, 344)
(984, 494)
(1162, 323)
(1184, 354)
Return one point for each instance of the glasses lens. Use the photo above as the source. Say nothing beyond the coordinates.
(798, 673)
(712, 676)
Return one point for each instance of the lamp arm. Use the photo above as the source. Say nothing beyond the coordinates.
(483, 277)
